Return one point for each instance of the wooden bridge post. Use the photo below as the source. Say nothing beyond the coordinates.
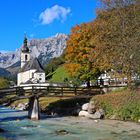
(62, 91)
(16, 90)
(75, 90)
(48, 90)
(33, 112)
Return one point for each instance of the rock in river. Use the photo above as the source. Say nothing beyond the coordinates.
(91, 108)
(61, 132)
(83, 113)
(85, 106)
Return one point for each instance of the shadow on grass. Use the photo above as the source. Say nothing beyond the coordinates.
(66, 107)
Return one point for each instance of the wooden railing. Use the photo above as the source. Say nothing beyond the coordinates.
(54, 91)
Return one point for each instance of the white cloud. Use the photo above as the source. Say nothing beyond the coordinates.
(54, 13)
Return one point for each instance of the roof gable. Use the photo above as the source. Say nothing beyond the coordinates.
(32, 64)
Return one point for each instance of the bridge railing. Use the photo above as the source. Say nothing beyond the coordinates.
(56, 90)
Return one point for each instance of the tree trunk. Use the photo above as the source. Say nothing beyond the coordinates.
(88, 83)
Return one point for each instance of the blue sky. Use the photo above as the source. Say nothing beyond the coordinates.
(40, 19)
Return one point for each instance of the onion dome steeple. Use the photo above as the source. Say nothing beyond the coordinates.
(25, 48)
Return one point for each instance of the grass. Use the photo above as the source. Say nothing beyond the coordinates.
(15, 103)
(3, 83)
(2, 138)
(44, 102)
(66, 107)
(61, 105)
(122, 104)
(60, 75)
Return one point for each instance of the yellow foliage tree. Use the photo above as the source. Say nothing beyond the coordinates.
(80, 52)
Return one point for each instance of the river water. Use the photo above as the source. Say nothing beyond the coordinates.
(18, 127)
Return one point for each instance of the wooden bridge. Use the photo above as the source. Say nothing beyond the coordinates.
(52, 91)
(34, 92)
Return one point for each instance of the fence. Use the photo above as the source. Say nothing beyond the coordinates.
(52, 91)
(56, 91)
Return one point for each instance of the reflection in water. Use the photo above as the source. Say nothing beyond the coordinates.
(18, 127)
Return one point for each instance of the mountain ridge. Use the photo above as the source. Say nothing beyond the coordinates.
(44, 49)
(48, 47)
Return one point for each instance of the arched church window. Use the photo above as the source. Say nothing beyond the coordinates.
(26, 57)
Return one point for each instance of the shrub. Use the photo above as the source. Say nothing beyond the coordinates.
(130, 112)
(124, 106)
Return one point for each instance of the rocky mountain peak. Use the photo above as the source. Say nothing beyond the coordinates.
(43, 49)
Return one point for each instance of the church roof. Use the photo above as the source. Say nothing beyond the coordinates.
(25, 48)
(32, 64)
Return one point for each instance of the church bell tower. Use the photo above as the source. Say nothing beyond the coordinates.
(25, 53)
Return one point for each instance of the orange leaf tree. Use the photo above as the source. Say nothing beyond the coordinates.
(80, 54)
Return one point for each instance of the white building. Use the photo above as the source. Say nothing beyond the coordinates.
(31, 71)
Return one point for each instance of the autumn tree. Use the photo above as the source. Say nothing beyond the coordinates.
(80, 54)
(117, 37)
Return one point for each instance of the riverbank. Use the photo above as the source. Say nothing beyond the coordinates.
(18, 127)
(121, 104)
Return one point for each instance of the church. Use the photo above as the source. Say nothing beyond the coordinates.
(31, 71)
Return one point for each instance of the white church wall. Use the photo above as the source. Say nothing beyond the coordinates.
(31, 73)
(40, 76)
(23, 77)
(19, 79)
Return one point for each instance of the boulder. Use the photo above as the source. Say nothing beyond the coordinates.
(102, 112)
(26, 106)
(96, 115)
(86, 114)
(96, 121)
(91, 108)
(62, 132)
(83, 113)
(22, 106)
(85, 106)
